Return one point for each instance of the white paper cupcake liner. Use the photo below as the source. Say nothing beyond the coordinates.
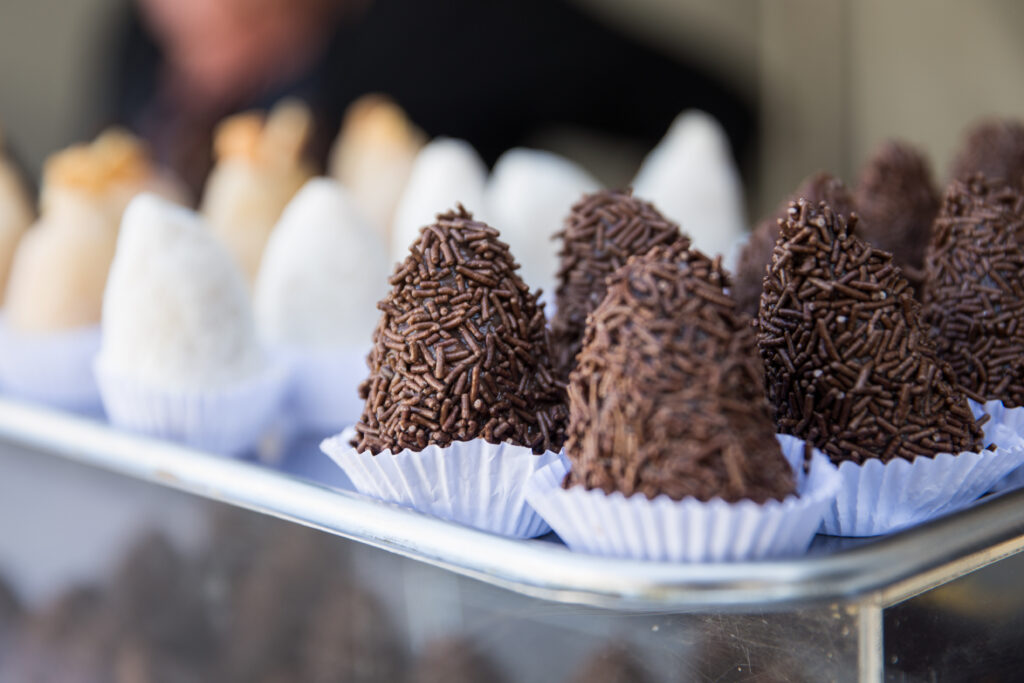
(52, 368)
(688, 530)
(475, 483)
(1006, 421)
(876, 498)
(227, 421)
(323, 397)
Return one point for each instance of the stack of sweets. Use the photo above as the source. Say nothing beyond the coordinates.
(995, 149)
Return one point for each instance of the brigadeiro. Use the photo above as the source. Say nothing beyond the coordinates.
(461, 402)
(669, 428)
(897, 201)
(602, 231)
(613, 664)
(850, 369)
(994, 148)
(756, 255)
(454, 660)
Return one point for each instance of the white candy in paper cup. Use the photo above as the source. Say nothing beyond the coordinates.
(228, 421)
(876, 498)
(475, 483)
(53, 368)
(1005, 421)
(688, 530)
(323, 397)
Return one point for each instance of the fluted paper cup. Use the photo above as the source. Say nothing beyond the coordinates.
(687, 530)
(1007, 421)
(878, 498)
(323, 396)
(228, 421)
(475, 483)
(53, 368)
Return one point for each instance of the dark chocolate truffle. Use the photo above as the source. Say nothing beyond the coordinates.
(974, 288)
(756, 255)
(897, 201)
(994, 148)
(668, 396)
(848, 366)
(454, 660)
(613, 664)
(461, 350)
(603, 230)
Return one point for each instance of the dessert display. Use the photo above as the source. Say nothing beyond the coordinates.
(528, 195)
(16, 213)
(756, 255)
(446, 172)
(669, 427)
(453, 660)
(972, 292)
(896, 202)
(692, 177)
(602, 231)
(373, 157)
(461, 397)
(850, 368)
(993, 148)
(260, 165)
(180, 357)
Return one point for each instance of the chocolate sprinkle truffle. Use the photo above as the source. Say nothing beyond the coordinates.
(897, 201)
(756, 255)
(667, 397)
(602, 231)
(994, 148)
(848, 366)
(461, 350)
(974, 292)
(612, 665)
(454, 660)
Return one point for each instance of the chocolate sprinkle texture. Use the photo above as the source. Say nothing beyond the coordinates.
(461, 349)
(602, 231)
(756, 255)
(974, 291)
(897, 202)
(848, 366)
(668, 397)
(994, 148)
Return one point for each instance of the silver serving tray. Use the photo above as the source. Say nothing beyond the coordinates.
(884, 570)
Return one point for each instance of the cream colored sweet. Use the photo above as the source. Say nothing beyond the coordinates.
(176, 311)
(447, 171)
(259, 168)
(373, 156)
(16, 214)
(528, 195)
(692, 179)
(324, 269)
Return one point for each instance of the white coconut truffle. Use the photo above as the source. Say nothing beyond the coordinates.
(529, 194)
(324, 269)
(446, 171)
(16, 214)
(176, 311)
(692, 179)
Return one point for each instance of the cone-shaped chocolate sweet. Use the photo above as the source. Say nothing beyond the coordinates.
(602, 231)
(994, 148)
(756, 255)
(668, 396)
(461, 349)
(974, 288)
(848, 365)
(454, 660)
(897, 201)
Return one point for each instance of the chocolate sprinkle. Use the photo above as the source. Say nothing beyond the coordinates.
(603, 230)
(974, 291)
(848, 366)
(994, 148)
(756, 255)
(668, 397)
(461, 350)
(897, 201)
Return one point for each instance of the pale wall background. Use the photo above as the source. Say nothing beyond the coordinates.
(832, 77)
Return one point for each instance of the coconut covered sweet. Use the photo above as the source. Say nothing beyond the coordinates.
(668, 396)
(993, 148)
(602, 231)
(756, 255)
(320, 277)
(849, 367)
(973, 299)
(16, 213)
(897, 201)
(461, 349)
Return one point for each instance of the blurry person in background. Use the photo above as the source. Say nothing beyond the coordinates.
(494, 72)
